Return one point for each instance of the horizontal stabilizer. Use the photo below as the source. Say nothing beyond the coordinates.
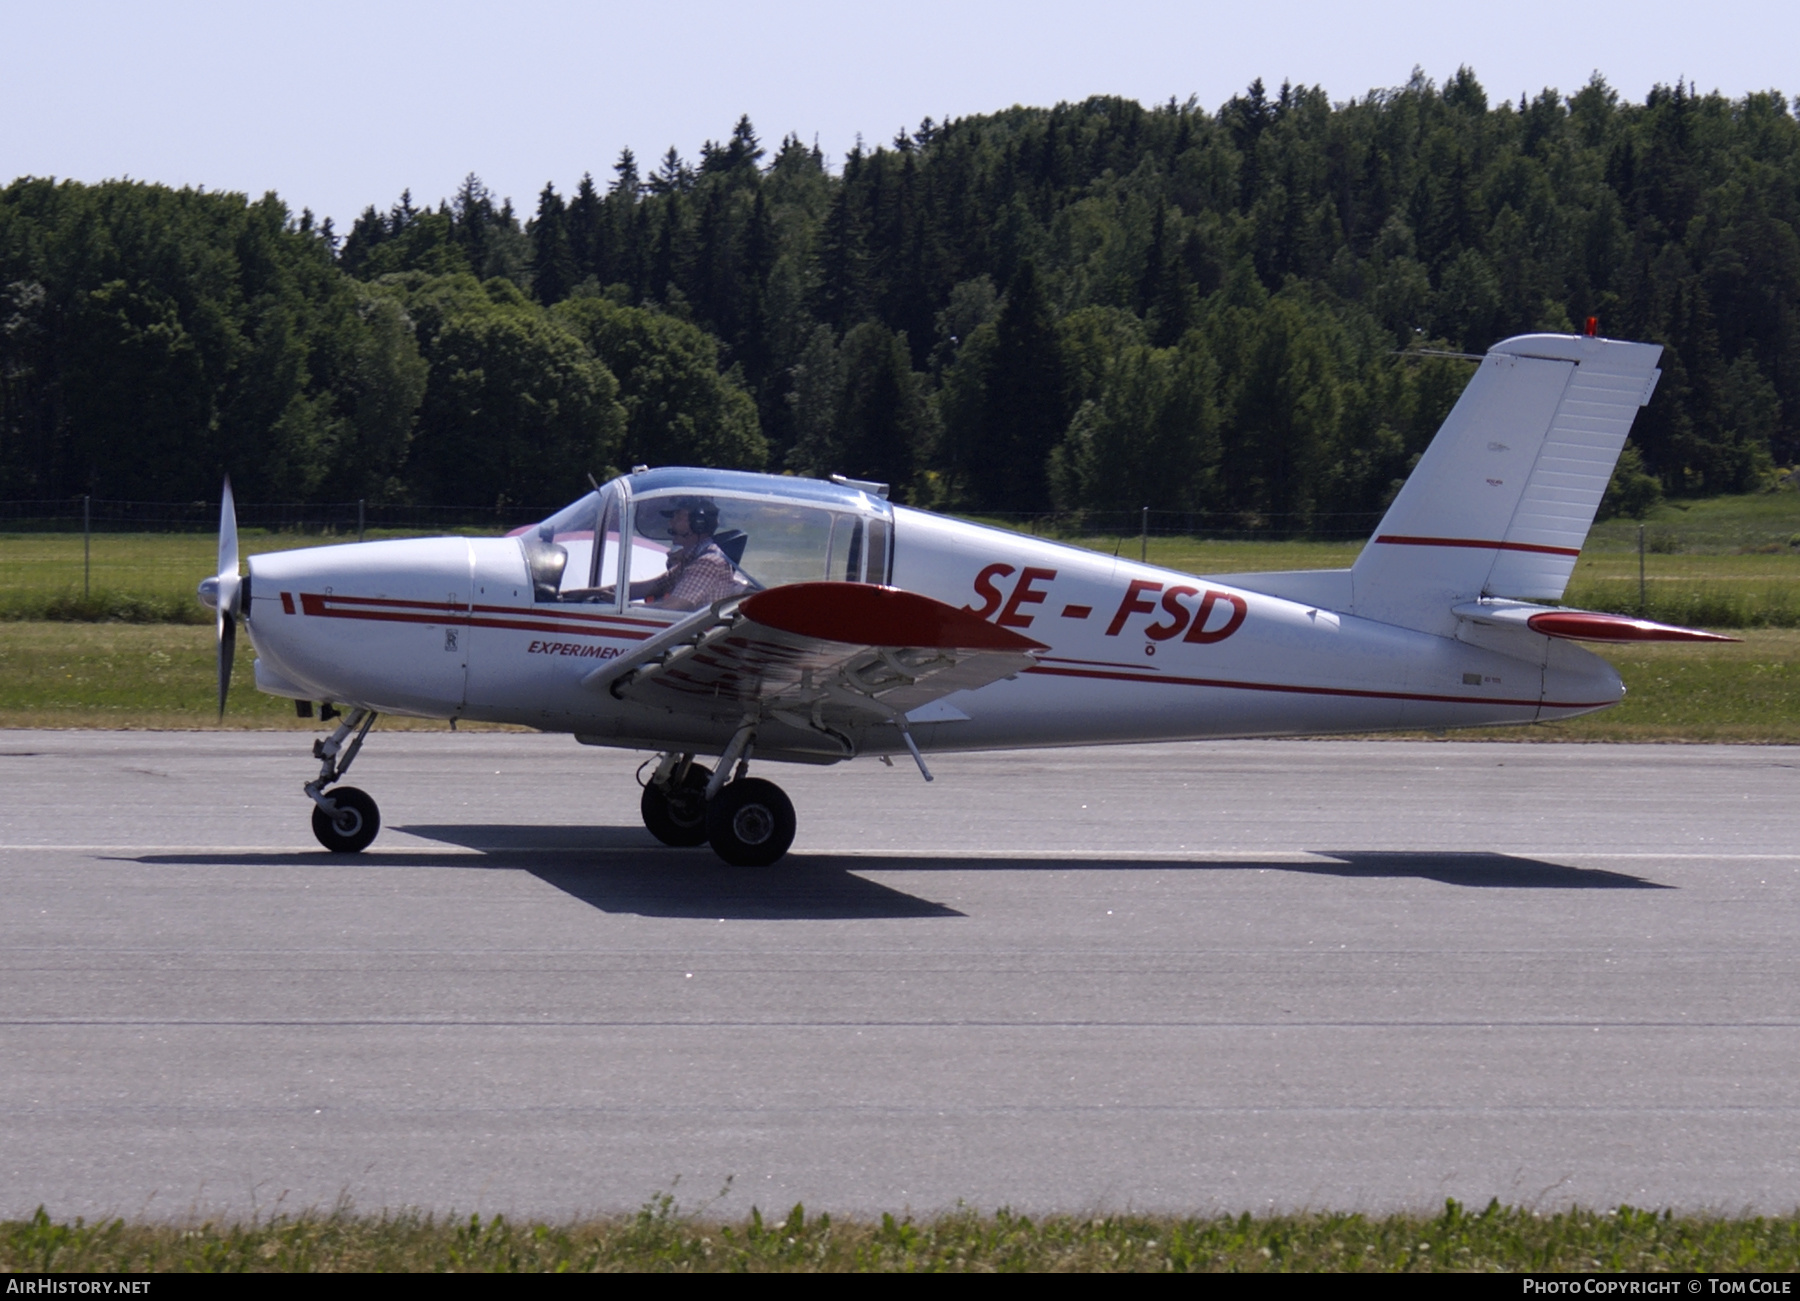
(1323, 589)
(1579, 625)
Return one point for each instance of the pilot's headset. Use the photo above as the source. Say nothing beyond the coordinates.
(702, 513)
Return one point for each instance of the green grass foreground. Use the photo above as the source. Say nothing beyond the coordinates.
(129, 577)
(162, 676)
(1725, 562)
(1499, 1238)
(140, 676)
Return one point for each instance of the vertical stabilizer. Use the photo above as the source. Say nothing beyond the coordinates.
(1502, 500)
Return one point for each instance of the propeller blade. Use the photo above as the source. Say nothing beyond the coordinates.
(227, 651)
(228, 549)
(228, 588)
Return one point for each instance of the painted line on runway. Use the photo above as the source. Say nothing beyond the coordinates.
(369, 1023)
(439, 849)
(360, 1107)
(432, 847)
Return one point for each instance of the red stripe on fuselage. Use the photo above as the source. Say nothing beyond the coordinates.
(434, 612)
(1223, 685)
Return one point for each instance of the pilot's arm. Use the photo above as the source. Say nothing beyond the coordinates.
(645, 589)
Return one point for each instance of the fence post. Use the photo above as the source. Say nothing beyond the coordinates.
(1642, 605)
(359, 518)
(1144, 537)
(87, 534)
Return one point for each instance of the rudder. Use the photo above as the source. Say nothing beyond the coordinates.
(1502, 500)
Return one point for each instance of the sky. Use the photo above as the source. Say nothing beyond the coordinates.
(339, 107)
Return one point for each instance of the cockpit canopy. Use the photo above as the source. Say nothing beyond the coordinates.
(679, 538)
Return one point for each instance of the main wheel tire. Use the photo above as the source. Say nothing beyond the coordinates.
(676, 815)
(353, 827)
(750, 823)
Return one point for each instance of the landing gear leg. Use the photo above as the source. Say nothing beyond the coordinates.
(674, 802)
(750, 822)
(345, 821)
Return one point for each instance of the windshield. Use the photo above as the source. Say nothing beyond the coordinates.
(560, 552)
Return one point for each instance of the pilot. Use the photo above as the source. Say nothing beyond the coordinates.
(698, 573)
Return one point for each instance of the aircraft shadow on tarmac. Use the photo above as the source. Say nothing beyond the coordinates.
(1482, 869)
(622, 870)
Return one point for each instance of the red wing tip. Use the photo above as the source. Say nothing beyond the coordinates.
(1582, 625)
(863, 614)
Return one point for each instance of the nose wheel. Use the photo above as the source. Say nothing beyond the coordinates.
(353, 824)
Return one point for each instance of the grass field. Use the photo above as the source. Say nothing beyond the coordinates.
(1740, 554)
(132, 577)
(663, 1240)
(137, 652)
(163, 676)
(130, 675)
(1729, 562)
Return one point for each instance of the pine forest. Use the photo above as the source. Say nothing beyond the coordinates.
(1250, 314)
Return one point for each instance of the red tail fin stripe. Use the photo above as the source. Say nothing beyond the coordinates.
(1401, 540)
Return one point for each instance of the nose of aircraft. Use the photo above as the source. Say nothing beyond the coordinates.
(381, 624)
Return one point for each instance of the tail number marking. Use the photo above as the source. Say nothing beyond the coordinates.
(1025, 591)
(1140, 598)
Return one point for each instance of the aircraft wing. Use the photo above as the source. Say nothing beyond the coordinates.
(817, 655)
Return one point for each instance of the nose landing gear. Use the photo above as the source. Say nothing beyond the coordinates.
(346, 821)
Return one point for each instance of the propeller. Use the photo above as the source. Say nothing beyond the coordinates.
(224, 592)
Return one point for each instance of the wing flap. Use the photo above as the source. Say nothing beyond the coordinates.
(822, 655)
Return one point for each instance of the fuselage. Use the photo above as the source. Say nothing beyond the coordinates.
(461, 628)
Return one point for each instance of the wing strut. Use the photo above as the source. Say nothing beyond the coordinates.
(849, 695)
(906, 735)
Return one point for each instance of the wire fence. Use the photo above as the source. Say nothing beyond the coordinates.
(93, 558)
(1203, 526)
(336, 520)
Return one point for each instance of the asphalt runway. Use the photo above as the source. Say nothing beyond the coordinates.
(1356, 975)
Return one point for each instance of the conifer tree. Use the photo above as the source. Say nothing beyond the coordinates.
(1025, 405)
(553, 266)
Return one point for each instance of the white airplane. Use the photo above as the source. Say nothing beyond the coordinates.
(700, 613)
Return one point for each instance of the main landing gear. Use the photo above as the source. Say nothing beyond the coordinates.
(346, 821)
(749, 822)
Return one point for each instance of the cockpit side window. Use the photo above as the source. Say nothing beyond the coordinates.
(681, 540)
(879, 568)
(846, 548)
(764, 543)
